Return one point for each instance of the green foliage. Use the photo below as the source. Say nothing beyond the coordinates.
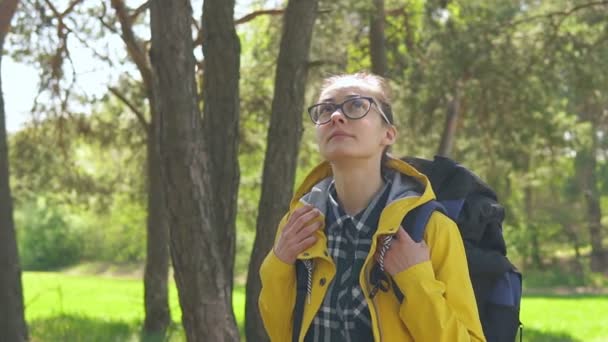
(565, 278)
(121, 235)
(528, 74)
(259, 51)
(47, 239)
(81, 184)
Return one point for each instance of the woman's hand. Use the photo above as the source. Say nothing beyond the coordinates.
(298, 234)
(403, 253)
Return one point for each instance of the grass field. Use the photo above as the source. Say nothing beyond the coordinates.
(62, 307)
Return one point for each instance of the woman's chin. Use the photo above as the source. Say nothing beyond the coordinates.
(340, 155)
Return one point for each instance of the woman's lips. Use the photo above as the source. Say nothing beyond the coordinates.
(339, 134)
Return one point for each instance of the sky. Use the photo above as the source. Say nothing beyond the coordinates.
(19, 89)
(20, 81)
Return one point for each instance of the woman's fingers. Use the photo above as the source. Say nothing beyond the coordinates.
(300, 219)
(307, 231)
(403, 253)
(295, 244)
(305, 220)
(304, 244)
(298, 233)
(296, 215)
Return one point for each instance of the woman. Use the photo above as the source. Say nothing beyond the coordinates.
(345, 220)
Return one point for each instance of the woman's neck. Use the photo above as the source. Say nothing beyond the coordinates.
(357, 181)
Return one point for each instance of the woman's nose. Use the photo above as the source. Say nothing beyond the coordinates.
(338, 116)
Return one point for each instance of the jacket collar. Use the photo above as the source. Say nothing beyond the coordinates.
(409, 189)
(319, 178)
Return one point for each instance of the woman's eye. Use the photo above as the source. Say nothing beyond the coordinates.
(358, 103)
(326, 109)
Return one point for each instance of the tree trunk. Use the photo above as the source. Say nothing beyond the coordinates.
(535, 253)
(221, 49)
(12, 319)
(156, 299)
(283, 142)
(571, 232)
(377, 45)
(586, 173)
(196, 247)
(451, 123)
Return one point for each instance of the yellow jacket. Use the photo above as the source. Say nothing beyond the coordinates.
(439, 303)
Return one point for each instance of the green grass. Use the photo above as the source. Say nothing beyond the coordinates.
(62, 307)
(89, 308)
(565, 318)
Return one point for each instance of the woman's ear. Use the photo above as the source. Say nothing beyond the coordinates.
(390, 136)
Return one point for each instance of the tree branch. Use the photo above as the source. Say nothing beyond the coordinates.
(61, 53)
(247, 18)
(103, 22)
(255, 14)
(558, 13)
(139, 10)
(53, 9)
(140, 116)
(134, 46)
(273, 12)
(320, 62)
(395, 12)
(84, 42)
(70, 7)
(244, 19)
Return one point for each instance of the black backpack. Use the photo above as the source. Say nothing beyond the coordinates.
(474, 206)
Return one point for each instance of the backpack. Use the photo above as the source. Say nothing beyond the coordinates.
(474, 206)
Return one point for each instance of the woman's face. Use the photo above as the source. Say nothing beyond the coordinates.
(342, 138)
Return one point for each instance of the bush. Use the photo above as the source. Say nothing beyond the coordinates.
(560, 276)
(122, 232)
(45, 237)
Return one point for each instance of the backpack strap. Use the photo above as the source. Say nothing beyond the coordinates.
(416, 220)
(415, 223)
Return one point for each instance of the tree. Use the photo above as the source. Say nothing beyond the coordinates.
(156, 273)
(377, 46)
(12, 319)
(283, 142)
(451, 122)
(197, 249)
(579, 57)
(586, 171)
(221, 48)
(58, 29)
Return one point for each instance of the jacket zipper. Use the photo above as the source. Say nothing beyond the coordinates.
(372, 301)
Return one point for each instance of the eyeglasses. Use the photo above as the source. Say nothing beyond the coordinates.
(354, 109)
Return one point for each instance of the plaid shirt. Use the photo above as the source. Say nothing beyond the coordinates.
(344, 314)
